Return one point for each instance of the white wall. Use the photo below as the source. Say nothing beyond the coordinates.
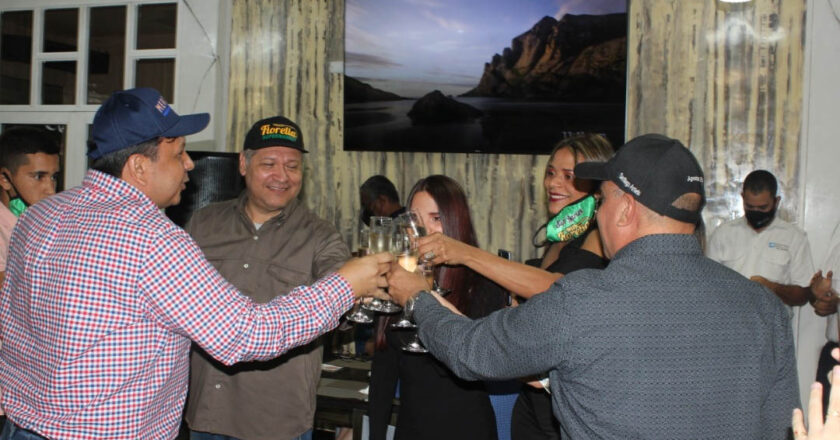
(821, 126)
(820, 165)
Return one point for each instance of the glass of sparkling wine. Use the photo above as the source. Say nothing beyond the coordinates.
(364, 241)
(414, 345)
(381, 229)
(413, 226)
(356, 314)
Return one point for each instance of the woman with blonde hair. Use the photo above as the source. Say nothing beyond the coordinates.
(571, 243)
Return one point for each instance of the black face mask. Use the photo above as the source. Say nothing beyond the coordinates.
(760, 219)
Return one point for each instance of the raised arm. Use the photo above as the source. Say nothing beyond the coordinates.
(512, 342)
(182, 292)
(518, 278)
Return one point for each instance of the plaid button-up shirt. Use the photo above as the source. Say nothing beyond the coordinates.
(102, 297)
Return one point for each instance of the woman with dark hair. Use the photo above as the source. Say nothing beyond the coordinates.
(434, 403)
(572, 242)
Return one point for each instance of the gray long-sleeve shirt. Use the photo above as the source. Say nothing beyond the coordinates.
(662, 344)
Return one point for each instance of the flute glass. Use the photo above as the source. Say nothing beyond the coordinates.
(381, 229)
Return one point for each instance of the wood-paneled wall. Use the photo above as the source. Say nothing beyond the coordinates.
(726, 80)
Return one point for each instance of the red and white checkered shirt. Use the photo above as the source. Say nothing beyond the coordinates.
(102, 297)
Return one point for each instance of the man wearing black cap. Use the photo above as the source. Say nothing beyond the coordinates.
(103, 294)
(663, 343)
(264, 242)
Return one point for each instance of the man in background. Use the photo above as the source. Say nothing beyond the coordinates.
(264, 242)
(379, 198)
(29, 167)
(775, 253)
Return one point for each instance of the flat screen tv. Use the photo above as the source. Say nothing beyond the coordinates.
(486, 76)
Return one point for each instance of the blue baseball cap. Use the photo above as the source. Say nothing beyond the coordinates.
(133, 116)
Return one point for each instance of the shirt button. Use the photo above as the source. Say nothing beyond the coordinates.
(245, 265)
(256, 238)
(218, 386)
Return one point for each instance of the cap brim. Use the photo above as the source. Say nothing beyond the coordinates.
(592, 171)
(187, 125)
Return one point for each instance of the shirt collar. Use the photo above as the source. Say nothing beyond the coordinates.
(279, 218)
(660, 244)
(115, 187)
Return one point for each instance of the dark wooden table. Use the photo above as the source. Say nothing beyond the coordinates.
(342, 395)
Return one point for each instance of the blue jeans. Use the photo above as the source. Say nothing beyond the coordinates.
(11, 432)
(195, 435)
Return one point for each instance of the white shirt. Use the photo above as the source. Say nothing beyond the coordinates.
(832, 262)
(780, 252)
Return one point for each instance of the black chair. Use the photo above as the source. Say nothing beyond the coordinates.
(215, 178)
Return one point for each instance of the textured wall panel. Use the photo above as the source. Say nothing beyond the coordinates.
(724, 79)
(727, 81)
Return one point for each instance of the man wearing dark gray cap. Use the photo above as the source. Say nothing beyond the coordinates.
(103, 294)
(662, 344)
(264, 242)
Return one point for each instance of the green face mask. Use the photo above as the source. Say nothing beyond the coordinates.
(17, 206)
(572, 221)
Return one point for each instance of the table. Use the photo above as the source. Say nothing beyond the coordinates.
(342, 395)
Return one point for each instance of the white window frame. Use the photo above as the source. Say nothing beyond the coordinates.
(201, 72)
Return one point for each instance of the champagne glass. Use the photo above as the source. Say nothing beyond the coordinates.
(357, 315)
(414, 345)
(364, 241)
(405, 252)
(413, 224)
(405, 321)
(381, 229)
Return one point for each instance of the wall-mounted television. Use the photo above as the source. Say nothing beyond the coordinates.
(487, 76)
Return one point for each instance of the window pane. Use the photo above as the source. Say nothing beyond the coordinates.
(15, 57)
(156, 26)
(158, 74)
(58, 131)
(61, 30)
(59, 83)
(106, 59)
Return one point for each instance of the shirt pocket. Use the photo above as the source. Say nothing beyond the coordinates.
(776, 264)
(730, 256)
(284, 279)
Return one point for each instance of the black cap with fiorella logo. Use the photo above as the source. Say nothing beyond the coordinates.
(656, 170)
(276, 131)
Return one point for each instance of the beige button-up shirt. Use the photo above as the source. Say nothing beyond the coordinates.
(273, 399)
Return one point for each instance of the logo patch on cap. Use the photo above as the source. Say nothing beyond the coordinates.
(630, 187)
(278, 131)
(162, 106)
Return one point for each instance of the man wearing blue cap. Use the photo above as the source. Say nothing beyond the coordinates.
(103, 294)
(662, 344)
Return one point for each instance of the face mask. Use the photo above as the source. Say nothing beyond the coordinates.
(570, 223)
(17, 206)
(760, 219)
